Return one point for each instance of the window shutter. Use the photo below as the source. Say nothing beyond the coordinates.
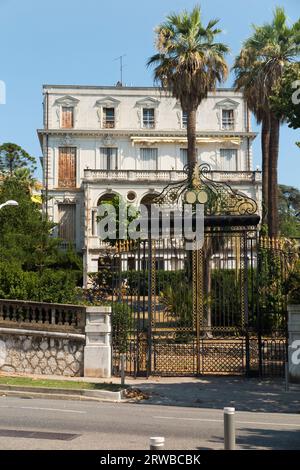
(67, 167)
(67, 222)
(67, 117)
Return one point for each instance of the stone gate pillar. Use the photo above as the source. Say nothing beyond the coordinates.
(97, 351)
(294, 343)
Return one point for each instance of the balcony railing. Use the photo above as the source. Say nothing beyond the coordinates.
(109, 124)
(228, 124)
(166, 176)
(38, 315)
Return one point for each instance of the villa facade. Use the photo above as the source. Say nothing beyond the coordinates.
(98, 141)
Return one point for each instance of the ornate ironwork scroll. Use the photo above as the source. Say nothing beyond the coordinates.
(222, 199)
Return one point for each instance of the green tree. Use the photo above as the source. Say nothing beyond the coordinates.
(129, 212)
(282, 103)
(13, 157)
(259, 69)
(189, 64)
(32, 266)
(24, 233)
(289, 210)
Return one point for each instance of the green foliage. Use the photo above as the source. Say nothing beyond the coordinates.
(13, 157)
(47, 286)
(177, 299)
(116, 226)
(122, 324)
(24, 233)
(32, 265)
(275, 264)
(289, 210)
(281, 101)
(292, 285)
(189, 61)
(101, 282)
(139, 280)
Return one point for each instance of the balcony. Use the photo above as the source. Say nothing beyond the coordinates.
(165, 176)
(228, 124)
(109, 124)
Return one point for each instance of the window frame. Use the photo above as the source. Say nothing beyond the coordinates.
(148, 124)
(222, 151)
(105, 121)
(142, 149)
(184, 119)
(108, 153)
(230, 124)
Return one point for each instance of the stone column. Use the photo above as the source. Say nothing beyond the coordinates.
(294, 343)
(97, 351)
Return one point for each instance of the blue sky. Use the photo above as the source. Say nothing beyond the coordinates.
(76, 42)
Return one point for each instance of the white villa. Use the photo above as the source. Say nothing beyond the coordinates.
(99, 141)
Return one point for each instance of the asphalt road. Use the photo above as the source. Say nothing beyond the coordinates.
(89, 425)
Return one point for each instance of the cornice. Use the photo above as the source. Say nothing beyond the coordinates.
(140, 133)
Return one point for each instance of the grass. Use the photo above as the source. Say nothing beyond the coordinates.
(66, 384)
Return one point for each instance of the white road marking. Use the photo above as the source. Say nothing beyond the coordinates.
(43, 409)
(207, 420)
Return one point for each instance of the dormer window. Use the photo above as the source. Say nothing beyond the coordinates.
(66, 111)
(108, 112)
(227, 114)
(67, 117)
(227, 119)
(148, 118)
(108, 118)
(184, 119)
(147, 112)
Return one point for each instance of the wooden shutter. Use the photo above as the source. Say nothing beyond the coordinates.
(67, 222)
(67, 120)
(67, 167)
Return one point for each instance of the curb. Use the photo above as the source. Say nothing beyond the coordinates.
(62, 393)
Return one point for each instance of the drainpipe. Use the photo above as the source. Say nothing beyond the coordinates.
(248, 138)
(47, 150)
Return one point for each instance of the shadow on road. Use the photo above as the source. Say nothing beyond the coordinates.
(217, 392)
(268, 439)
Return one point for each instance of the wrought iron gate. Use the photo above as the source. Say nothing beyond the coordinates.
(220, 309)
(203, 312)
(184, 313)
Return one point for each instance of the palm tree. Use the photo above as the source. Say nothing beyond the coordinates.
(24, 175)
(247, 75)
(259, 68)
(189, 64)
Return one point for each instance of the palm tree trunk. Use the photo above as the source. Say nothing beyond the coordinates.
(265, 144)
(273, 177)
(191, 137)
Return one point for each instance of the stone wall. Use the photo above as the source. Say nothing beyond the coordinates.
(34, 353)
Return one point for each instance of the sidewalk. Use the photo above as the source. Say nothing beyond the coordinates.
(253, 394)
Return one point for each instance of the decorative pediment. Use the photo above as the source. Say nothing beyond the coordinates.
(107, 102)
(148, 102)
(227, 104)
(67, 100)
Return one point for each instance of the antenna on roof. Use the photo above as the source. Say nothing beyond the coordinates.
(120, 58)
